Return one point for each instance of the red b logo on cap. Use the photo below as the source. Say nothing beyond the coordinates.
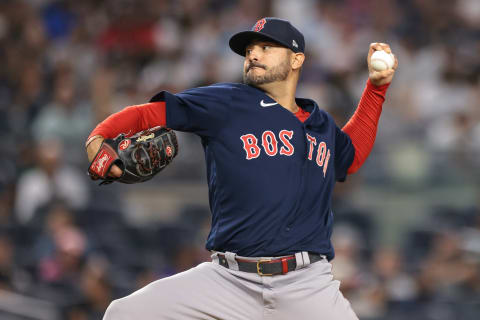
(259, 25)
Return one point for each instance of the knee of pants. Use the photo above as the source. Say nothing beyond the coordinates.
(116, 311)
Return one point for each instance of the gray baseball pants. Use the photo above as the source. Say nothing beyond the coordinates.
(211, 291)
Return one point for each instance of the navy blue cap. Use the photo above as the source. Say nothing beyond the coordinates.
(269, 29)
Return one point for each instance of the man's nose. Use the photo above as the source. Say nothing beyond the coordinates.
(254, 53)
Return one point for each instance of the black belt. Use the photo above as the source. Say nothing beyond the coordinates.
(268, 267)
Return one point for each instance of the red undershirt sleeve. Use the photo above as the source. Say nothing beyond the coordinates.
(362, 126)
(132, 119)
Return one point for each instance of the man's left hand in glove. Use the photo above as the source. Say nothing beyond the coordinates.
(132, 159)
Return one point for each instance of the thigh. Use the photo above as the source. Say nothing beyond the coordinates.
(207, 291)
(312, 294)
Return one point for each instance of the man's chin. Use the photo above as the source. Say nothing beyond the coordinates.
(254, 80)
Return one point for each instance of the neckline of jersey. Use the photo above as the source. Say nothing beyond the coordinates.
(306, 104)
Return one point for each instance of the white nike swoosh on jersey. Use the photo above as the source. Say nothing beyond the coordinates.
(263, 104)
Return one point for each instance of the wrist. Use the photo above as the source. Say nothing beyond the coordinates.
(92, 138)
(381, 88)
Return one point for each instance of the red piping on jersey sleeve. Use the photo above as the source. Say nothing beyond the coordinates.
(362, 127)
(132, 119)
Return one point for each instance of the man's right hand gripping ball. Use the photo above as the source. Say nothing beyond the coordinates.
(132, 159)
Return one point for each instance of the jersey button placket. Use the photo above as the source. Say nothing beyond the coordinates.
(302, 172)
(307, 146)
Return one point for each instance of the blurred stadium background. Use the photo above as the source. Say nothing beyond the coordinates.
(407, 232)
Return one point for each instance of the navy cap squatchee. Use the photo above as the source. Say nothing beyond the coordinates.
(270, 29)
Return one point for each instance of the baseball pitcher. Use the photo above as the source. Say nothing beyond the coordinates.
(272, 162)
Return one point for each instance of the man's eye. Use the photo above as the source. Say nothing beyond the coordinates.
(266, 47)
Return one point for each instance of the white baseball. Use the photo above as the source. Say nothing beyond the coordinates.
(380, 60)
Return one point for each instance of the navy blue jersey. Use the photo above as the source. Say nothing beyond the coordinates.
(270, 176)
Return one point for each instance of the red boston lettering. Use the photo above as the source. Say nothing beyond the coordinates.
(326, 164)
(285, 137)
(313, 143)
(250, 146)
(269, 143)
(322, 149)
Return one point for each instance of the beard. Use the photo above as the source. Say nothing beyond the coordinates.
(279, 72)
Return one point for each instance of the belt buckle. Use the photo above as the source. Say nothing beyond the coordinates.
(260, 273)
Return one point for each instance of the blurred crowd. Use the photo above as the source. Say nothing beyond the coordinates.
(66, 246)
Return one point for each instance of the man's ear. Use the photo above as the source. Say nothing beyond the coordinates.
(297, 60)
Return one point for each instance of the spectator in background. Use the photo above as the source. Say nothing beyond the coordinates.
(22, 81)
(388, 268)
(471, 236)
(446, 272)
(67, 117)
(27, 103)
(348, 265)
(396, 290)
(6, 263)
(61, 250)
(61, 246)
(350, 268)
(7, 198)
(96, 287)
(51, 179)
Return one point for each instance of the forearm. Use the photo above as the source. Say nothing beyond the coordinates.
(362, 127)
(130, 120)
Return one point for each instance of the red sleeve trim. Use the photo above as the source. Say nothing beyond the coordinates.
(131, 120)
(362, 127)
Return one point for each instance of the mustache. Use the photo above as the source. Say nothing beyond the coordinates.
(255, 64)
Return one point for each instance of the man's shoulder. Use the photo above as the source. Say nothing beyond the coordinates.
(232, 86)
(225, 92)
(221, 93)
(226, 85)
(223, 88)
